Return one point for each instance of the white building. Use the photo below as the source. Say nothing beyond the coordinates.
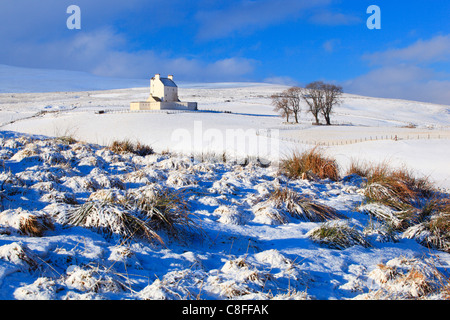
(163, 96)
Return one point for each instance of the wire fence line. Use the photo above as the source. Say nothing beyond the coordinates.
(163, 111)
(337, 142)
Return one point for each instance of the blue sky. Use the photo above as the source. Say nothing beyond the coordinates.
(283, 41)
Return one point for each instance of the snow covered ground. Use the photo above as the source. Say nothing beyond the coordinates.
(242, 109)
(243, 245)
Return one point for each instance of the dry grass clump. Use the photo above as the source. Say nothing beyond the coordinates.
(285, 203)
(302, 208)
(393, 187)
(434, 228)
(137, 216)
(395, 196)
(337, 235)
(67, 140)
(123, 146)
(35, 226)
(310, 163)
(32, 224)
(114, 196)
(403, 279)
(110, 220)
(165, 210)
(406, 203)
(359, 168)
(19, 254)
(398, 185)
(94, 279)
(127, 146)
(397, 219)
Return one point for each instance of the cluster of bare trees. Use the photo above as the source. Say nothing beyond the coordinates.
(319, 97)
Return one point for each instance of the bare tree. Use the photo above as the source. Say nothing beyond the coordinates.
(314, 98)
(332, 97)
(321, 98)
(294, 96)
(281, 105)
(288, 102)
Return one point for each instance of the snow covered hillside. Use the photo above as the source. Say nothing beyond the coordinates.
(364, 127)
(210, 214)
(79, 221)
(25, 80)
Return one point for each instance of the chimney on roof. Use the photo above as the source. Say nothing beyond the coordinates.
(157, 76)
(170, 77)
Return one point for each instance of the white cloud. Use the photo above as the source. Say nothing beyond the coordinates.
(247, 16)
(402, 82)
(145, 63)
(105, 52)
(330, 45)
(422, 51)
(283, 80)
(334, 18)
(40, 39)
(407, 73)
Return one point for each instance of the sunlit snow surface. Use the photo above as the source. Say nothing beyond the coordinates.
(235, 251)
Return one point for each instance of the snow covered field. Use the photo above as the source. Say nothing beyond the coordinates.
(241, 244)
(243, 109)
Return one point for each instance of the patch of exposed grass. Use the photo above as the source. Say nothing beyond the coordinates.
(140, 215)
(395, 218)
(302, 208)
(383, 232)
(110, 220)
(310, 163)
(360, 168)
(127, 146)
(337, 235)
(32, 224)
(408, 279)
(393, 187)
(165, 210)
(433, 230)
(35, 226)
(406, 203)
(68, 140)
(395, 196)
